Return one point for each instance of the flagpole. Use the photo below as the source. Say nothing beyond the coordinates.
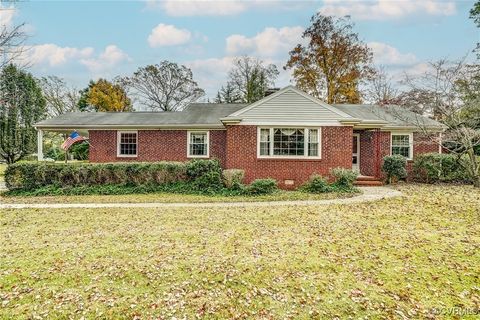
(66, 150)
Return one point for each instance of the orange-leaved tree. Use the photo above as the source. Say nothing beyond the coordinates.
(105, 96)
(333, 62)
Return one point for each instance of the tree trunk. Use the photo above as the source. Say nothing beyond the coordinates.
(476, 181)
(474, 167)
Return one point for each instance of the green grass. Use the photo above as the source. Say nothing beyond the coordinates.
(172, 197)
(391, 259)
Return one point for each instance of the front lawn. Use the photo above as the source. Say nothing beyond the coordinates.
(411, 257)
(174, 197)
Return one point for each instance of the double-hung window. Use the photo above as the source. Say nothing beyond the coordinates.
(402, 144)
(198, 144)
(289, 142)
(127, 143)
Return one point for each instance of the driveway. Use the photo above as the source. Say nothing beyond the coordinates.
(368, 194)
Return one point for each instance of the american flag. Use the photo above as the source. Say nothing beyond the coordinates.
(74, 137)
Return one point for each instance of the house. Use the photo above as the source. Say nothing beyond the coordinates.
(288, 136)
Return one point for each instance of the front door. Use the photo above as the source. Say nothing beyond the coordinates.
(356, 152)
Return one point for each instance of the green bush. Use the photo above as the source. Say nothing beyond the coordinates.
(205, 175)
(77, 151)
(261, 186)
(30, 176)
(316, 184)
(344, 178)
(395, 167)
(435, 167)
(233, 178)
(80, 150)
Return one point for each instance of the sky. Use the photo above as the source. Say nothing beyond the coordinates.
(83, 40)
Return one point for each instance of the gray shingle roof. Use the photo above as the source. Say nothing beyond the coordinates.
(208, 115)
(392, 115)
(195, 115)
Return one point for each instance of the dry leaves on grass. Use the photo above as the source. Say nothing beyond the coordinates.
(396, 258)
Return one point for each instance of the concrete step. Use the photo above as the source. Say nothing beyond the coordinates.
(367, 178)
(368, 183)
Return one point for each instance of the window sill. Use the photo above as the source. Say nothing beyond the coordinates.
(126, 156)
(290, 158)
(198, 157)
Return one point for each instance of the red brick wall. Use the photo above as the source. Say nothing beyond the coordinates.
(239, 143)
(242, 154)
(422, 144)
(153, 145)
(370, 162)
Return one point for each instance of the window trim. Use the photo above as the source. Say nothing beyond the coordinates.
(410, 142)
(306, 139)
(119, 135)
(189, 132)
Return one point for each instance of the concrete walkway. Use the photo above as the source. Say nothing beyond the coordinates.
(368, 194)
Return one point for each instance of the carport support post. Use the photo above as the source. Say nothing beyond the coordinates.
(39, 145)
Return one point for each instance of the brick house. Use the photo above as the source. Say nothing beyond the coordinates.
(287, 136)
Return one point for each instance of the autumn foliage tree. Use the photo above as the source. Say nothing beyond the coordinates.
(104, 96)
(333, 63)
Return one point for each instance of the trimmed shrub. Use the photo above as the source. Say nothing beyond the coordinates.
(23, 176)
(395, 167)
(30, 176)
(261, 186)
(205, 175)
(233, 178)
(316, 184)
(344, 178)
(435, 167)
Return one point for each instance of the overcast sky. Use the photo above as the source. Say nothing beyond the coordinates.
(83, 40)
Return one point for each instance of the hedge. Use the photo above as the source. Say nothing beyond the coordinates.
(202, 175)
(435, 167)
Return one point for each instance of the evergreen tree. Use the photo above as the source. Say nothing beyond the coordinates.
(21, 106)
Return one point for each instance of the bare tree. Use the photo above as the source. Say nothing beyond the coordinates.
(60, 98)
(445, 99)
(381, 89)
(163, 87)
(437, 89)
(248, 80)
(12, 39)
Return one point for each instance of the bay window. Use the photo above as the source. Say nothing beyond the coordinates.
(289, 142)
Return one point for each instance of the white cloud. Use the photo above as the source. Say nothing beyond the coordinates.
(6, 15)
(109, 58)
(385, 54)
(168, 35)
(178, 8)
(268, 43)
(54, 55)
(387, 9)
(188, 8)
(211, 74)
